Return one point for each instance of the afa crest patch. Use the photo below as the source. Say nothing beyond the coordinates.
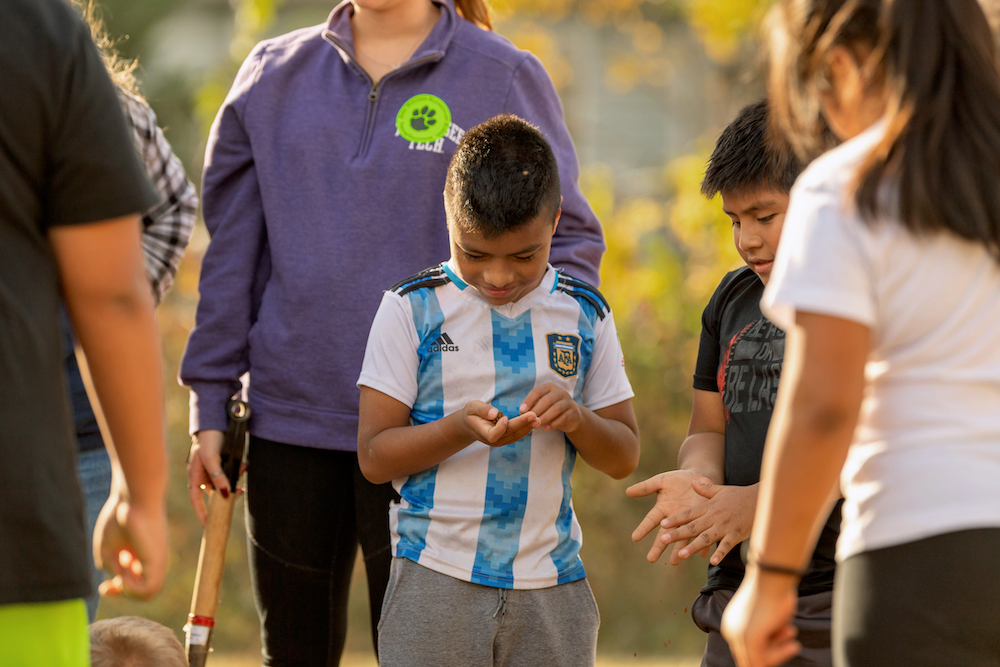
(564, 354)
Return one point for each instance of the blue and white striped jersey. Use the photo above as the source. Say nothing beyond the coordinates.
(501, 516)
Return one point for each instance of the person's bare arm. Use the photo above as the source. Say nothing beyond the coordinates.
(704, 449)
(109, 300)
(822, 386)
(390, 448)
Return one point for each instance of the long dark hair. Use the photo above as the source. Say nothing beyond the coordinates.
(476, 11)
(935, 60)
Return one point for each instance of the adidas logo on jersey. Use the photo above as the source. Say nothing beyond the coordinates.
(444, 343)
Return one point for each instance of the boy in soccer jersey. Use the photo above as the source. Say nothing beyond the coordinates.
(482, 380)
(712, 495)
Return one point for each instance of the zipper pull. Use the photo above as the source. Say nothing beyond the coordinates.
(373, 95)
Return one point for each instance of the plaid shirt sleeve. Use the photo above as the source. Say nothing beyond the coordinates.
(167, 226)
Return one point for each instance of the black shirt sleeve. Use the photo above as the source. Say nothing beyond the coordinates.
(94, 172)
(706, 369)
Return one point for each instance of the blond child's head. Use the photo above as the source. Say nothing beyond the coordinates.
(131, 641)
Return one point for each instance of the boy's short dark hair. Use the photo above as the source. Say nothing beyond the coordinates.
(502, 176)
(747, 157)
(132, 641)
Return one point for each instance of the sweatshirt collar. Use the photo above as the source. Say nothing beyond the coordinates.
(338, 32)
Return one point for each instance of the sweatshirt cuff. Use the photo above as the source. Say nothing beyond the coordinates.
(208, 406)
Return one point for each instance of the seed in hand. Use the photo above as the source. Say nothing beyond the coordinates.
(496, 420)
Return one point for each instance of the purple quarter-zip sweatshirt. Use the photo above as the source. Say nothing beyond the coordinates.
(316, 204)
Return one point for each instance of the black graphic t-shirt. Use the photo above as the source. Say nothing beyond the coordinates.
(740, 356)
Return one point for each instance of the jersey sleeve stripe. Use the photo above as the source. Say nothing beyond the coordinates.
(588, 297)
(581, 285)
(429, 283)
(426, 273)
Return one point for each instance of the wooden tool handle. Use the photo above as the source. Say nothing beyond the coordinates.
(212, 558)
(208, 578)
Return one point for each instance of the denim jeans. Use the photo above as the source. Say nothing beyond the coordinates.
(307, 511)
(94, 468)
(93, 464)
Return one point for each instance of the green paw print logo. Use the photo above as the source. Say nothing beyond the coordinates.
(423, 119)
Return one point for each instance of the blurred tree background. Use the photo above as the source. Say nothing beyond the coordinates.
(646, 86)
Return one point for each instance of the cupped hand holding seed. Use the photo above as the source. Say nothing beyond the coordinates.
(491, 426)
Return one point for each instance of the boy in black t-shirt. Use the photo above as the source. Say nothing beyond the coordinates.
(712, 495)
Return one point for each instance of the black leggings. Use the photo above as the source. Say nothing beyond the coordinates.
(930, 603)
(307, 510)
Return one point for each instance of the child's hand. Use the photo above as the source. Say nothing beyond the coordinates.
(726, 518)
(555, 408)
(487, 424)
(674, 493)
(130, 542)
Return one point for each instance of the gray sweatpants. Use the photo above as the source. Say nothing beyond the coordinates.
(433, 620)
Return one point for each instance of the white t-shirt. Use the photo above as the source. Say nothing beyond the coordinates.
(925, 459)
(496, 516)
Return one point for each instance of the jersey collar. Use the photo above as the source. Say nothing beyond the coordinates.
(542, 291)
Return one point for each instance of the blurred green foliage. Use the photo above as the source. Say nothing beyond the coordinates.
(666, 253)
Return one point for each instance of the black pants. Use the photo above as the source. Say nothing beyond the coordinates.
(930, 603)
(812, 620)
(307, 510)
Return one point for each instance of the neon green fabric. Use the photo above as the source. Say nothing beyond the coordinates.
(53, 634)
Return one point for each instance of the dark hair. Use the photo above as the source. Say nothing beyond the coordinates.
(936, 62)
(476, 11)
(502, 176)
(745, 159)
